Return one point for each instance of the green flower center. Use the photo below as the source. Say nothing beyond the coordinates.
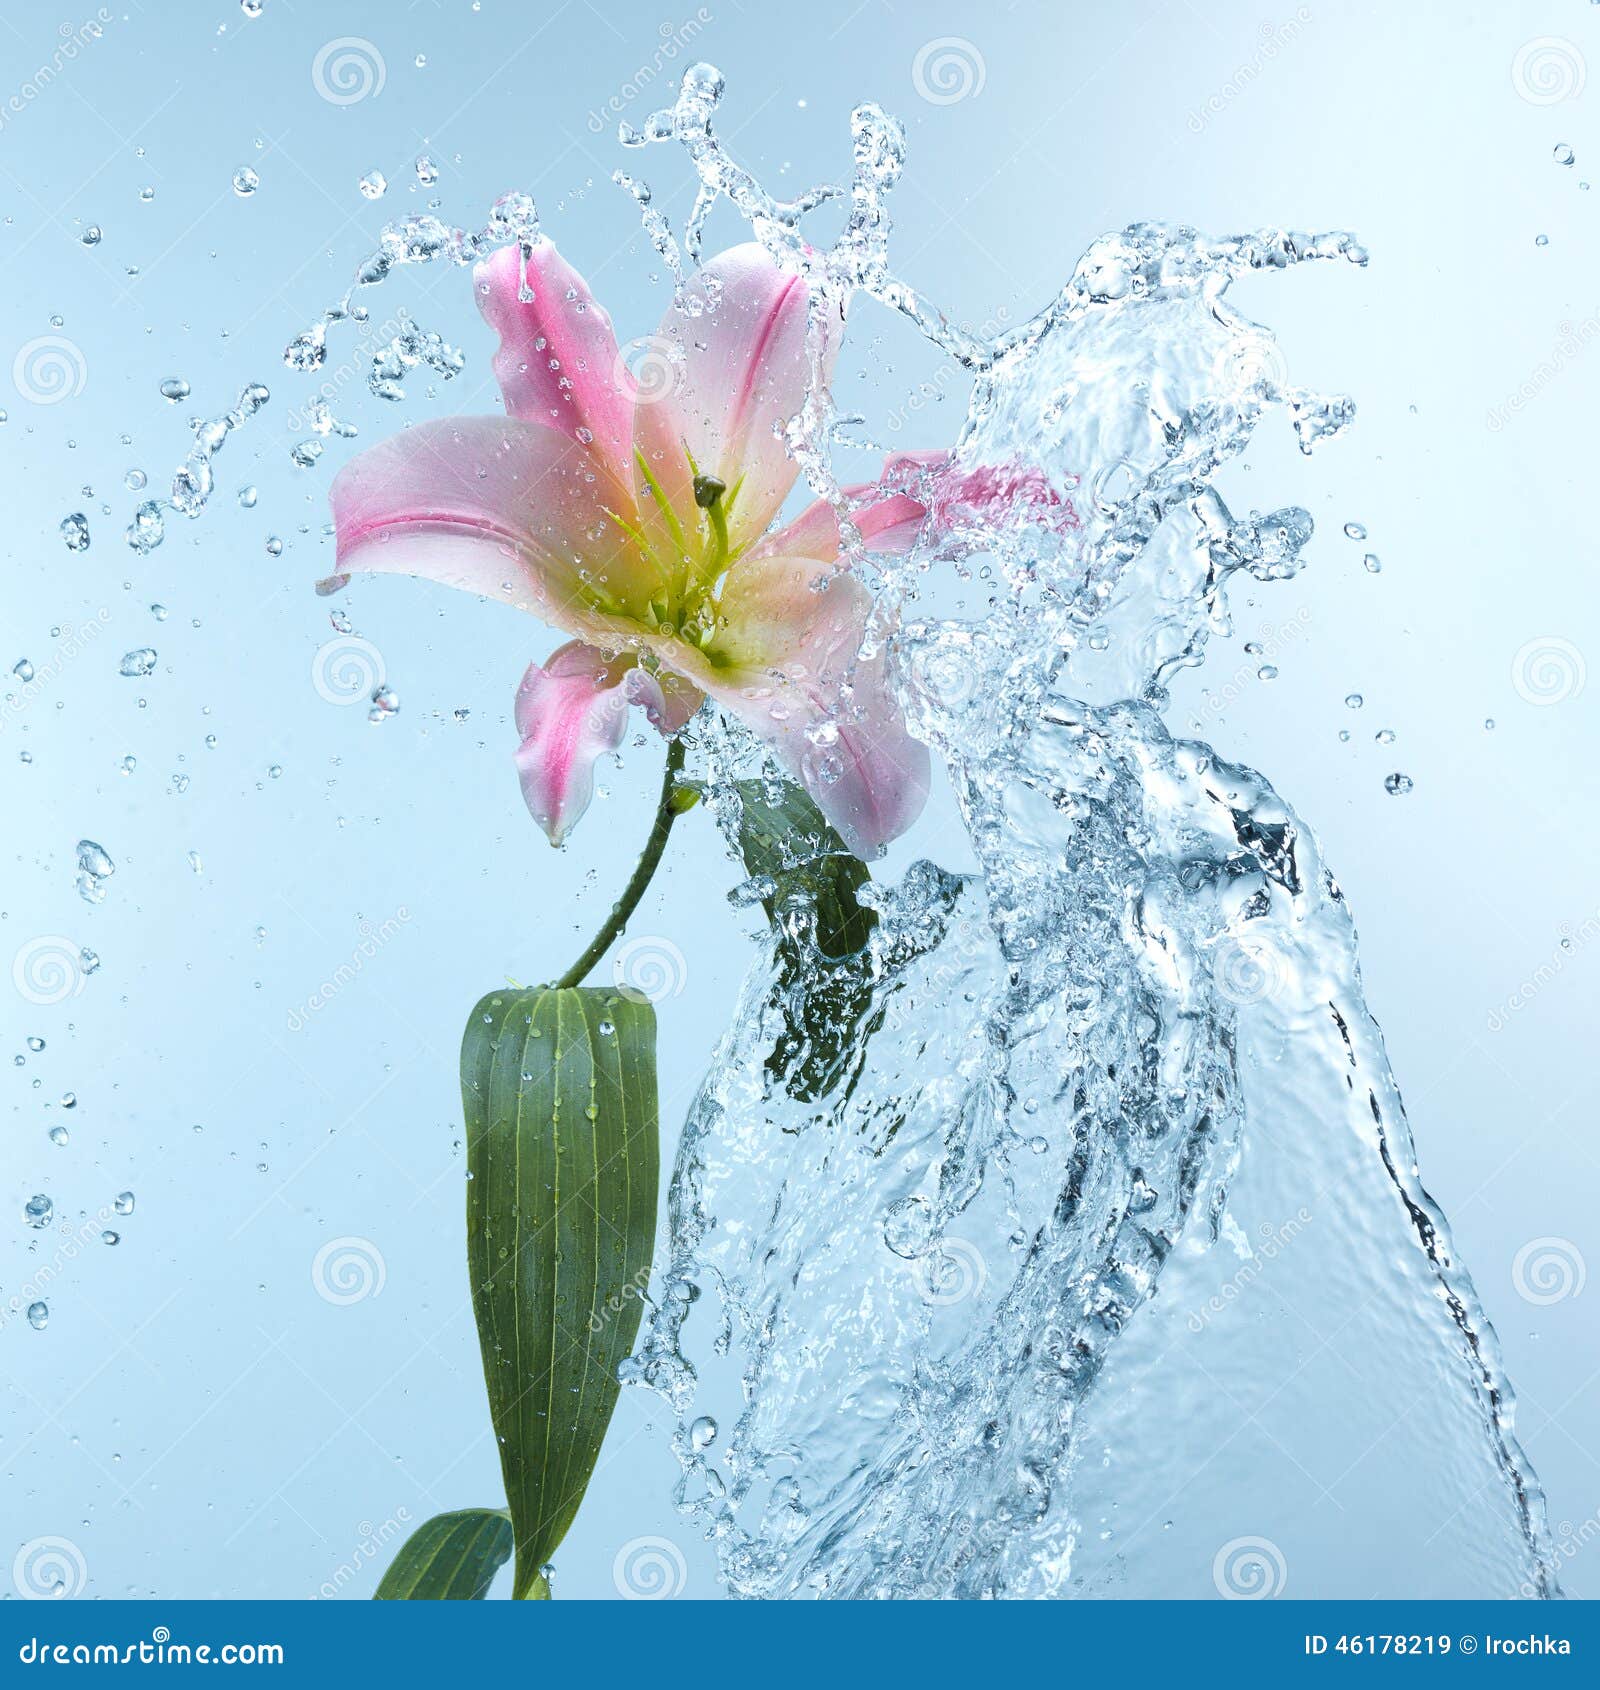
(687, 573)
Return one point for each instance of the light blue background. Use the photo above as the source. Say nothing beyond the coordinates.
(195, 1418)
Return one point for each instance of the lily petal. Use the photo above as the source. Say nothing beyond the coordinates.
(668, 700)
(789, 667)
(744, 372)
(497, 507)
(558, 363)
(889, 522)
(568, 711)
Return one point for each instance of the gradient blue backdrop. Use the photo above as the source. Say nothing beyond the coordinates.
(196, 1418)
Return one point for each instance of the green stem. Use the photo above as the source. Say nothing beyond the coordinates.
(649, 861)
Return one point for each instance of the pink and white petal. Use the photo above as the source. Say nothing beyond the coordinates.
(569, 711)
(790, 668)
(888, 513)
(577, 660)
(497, 507)
(997, 496)
(745, 372)
(558, 363)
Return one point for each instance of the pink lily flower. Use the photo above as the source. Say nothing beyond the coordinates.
(635, 518)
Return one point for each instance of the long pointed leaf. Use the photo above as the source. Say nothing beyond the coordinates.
(559, 1090)
(450, 1558)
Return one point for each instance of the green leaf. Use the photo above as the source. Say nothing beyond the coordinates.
(784, 838)
(450, 1558)
(825, 974)
(559, 1089)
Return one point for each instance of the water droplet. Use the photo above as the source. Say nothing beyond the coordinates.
(95, 867)
(1384, 736)
(91, 235)
(140, 661)
(135, 480)
(1397, 785)
(248, 497)
(1355, 531)
(245, 182)
(59, 1136)
(174, 388)
(23, 670)
(427, 170)
(374, 184)
(148, 528)
(1354, 700)
(38, 1316)
(307, 351)
(124, 1202)
(75, 531)
(306, 453)
(385, 703)
(703, 1433)
(38, 1211)
(110, 1237)
(908, 1227)
(1563, 153)
(95, 859)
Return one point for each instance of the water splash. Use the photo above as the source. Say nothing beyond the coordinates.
(959, 1315)
(941, 1315)
(420, 239)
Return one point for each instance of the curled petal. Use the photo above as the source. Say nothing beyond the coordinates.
(503, 508)
(558, 363)
(568, 712)
(573, 707)
(745, 371)
(887, 513)
(667, 700)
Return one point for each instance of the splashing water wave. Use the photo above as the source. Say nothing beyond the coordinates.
(1101, 1263)
(1097, 1261)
